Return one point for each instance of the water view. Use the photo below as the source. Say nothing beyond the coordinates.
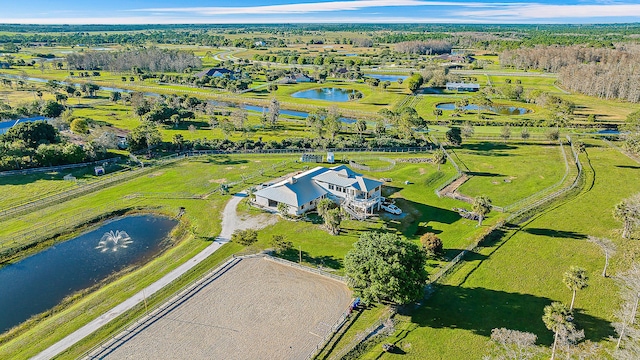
(391, 78)
(326, 94)
(41, 281)
(502, 110)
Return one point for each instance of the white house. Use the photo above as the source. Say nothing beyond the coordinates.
(358, 195)
(462, 86)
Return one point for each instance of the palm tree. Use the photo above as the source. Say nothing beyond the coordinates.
(439, 157)
(576, 279)
(557, 318)
(481, 206)
(628, 212)
(324, 206)
(607, 246)
(437, 113)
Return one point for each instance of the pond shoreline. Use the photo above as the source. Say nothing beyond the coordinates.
(75, 266)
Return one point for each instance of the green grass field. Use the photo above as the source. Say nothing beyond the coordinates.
(509, 283)
(508, 172)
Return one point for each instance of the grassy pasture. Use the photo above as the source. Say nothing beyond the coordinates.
(508, 283)
(508, 172)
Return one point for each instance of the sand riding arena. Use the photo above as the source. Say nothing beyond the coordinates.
(250, 308)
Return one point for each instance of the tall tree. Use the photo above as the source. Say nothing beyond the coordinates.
(557, 318)
(381, 267)
(575, 279)
(627, 328)
(481, 207)
(333, 219)
(316, 119)
(628, 212)
(361, 127)
(608, 248)
(239, 118)
(437, 113)
(439, 157)
(454, 136)
(414, 82)
(505, 132)
(324, 206)
(332, 122)
(467, 130)
(274, 111)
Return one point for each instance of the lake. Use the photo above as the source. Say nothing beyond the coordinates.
(325, 94)
(41, 281)
(392, 78)
(502, 110)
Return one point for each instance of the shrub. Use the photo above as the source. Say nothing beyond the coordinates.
(431, 243)
(80, 126)
(280, 243)
(245, 237)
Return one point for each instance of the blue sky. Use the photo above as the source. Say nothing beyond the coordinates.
(318, 11)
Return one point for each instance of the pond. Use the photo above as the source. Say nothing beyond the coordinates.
(39, 282)
(325, 94)
(294, 113)
(502, 110)
(392, 78)
(6, 125)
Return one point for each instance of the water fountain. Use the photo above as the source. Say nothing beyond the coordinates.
(114, 240)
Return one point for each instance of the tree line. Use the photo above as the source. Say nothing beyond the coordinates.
(150, 59)
(602, 72)
(36, 144)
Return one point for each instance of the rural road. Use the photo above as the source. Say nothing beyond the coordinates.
(230, 222)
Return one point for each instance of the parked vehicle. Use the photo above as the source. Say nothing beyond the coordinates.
(390, 208)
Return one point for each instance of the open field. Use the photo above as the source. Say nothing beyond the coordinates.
(258, 309)
(508, 172)
(508, 283)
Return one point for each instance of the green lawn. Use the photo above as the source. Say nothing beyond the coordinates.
(508, 172)
(508, 284)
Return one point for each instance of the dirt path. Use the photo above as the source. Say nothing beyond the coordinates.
(230, 222)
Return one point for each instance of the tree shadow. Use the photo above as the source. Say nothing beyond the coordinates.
(480, 310)
(418, 216)
(219, 160)
(469, 256)
(484, 174)
(388, 190)
(628, 167)
(488, 146)
(555, 233)
(325, 261)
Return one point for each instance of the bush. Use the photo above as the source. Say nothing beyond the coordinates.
(280, 243)
(245, 237)
(80, 126)
(553, 134)
(431, 243)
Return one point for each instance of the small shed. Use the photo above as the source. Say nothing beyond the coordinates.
(69, 177)
(99, 170)
(331, 158)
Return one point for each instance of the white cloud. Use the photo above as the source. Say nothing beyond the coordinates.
(300, 8)
(548, 11)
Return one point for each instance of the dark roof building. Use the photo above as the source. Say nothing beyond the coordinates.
(216, 72)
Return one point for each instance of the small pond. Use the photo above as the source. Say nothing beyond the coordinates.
(392, 78)
(39, 282)
(502, 110)
(6, 125)
(294, 113)
(326, 94)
